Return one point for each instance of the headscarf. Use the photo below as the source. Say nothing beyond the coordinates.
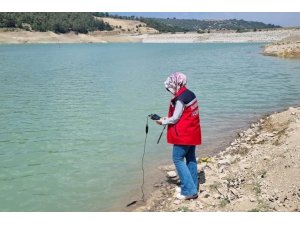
(175, 81)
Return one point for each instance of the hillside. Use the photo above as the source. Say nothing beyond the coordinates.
(127, 26)
(192, 25)
(232, 24)
(85, 22)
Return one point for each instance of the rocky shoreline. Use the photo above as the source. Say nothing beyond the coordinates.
(18, 36)
(259, 171)
(222, 37)
(286, 48)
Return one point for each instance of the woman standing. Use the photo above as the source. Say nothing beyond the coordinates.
(184, 133)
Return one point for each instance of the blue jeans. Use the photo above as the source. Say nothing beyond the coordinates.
(187, 172)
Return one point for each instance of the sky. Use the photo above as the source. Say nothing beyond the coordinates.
(277, 18)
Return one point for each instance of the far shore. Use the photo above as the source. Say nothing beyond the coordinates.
(18, 36)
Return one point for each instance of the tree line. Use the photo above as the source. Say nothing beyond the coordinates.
(228, 24)
(59, 22)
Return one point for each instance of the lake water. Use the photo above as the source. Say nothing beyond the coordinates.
(72, 116)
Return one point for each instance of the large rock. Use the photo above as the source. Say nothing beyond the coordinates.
(171, 174)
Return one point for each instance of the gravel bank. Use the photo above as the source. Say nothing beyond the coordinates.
(259, 171)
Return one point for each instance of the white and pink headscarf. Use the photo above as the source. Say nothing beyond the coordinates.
(175, 81)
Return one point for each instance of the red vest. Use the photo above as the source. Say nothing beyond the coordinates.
(187, 130)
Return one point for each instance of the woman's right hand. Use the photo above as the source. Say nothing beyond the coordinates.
(160, 121)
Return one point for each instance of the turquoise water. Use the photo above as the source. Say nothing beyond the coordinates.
(72, 117)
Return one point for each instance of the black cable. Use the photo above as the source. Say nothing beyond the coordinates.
(142, 187)
(161, 134)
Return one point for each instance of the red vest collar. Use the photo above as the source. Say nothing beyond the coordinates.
(179, 92)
